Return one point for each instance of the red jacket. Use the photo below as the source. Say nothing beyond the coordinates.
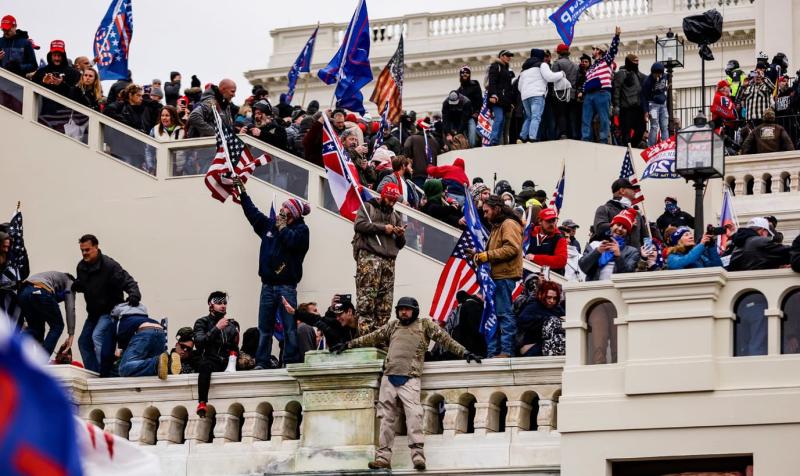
(541, 248)
(724, 109)
(453, 172)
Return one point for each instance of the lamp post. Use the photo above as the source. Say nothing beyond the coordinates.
(699, 156)
(669, 52)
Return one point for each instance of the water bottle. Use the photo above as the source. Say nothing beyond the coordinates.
(231, 362)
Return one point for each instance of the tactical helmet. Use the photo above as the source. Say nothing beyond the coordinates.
(410, 303)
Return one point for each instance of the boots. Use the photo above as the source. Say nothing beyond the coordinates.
(419, 462)
(379, 464)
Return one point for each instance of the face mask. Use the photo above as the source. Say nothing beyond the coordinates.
(670, 207)
(508, 203)
(625, 201)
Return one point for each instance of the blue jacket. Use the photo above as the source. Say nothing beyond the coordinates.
(701, 256)
(280, 260)
(19, 55)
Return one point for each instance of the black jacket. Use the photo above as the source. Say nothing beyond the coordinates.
(85, 97)
(132, 116)
(681, 218)
(605, 213)
(172, 91)
(71, 76)
(794, 255)
(442, 212)
(472, 90)
(102, 284)
(19, 55)
(500, 77)
(212, 343)
(117, 88)
(273, 134)
(530, 321)
(455, 117)
(333, 331)
(751, 251)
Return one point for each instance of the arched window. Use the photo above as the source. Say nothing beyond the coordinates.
(749, 183)
(601, 335)
(750, 329)
(790, 324)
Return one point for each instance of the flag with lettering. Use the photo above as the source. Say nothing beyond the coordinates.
(567, 16)
(233, 158)
(485, 120)
(660, 160)
(301, 65)
(112, 41)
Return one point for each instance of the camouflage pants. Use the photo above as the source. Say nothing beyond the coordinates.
(374, 291)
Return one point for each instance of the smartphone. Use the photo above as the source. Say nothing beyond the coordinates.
(648, 243)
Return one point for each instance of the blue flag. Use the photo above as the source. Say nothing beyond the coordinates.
(349, 67)
(301, 65)
(477, 234)
(38, 427)
(384, 125)
(112, 41)
(567, 16)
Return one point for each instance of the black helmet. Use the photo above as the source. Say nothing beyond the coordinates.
(410, 303)
(264, 107)
(732, 65)
(503, 186)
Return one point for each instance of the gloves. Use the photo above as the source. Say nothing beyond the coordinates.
(339, 348)
(481, 257)
(470, 357)
(237, 182)
(133, 301)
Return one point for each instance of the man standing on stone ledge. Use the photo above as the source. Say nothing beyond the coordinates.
(380, 235)
(408, 338)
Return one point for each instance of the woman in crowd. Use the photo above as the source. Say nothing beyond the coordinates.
(169, 128)
(539, 330)
(129, 109)
(608, 252)
(686, 254)
(88, 91)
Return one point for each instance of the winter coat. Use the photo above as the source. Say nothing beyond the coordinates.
(499, 83)
(530, 321)
(605, 213)
(723, 111)
(548, 250)
(367, 229)
(472, 90)
(701, 256)
(102, 284)
(535, 75)
(213, 343)
(117, 88)
(455, 117)
(626, 262)
(751, 251)
(201, 119)
(453, 176)
(678, 219)
(280, 258)
(334, 332)
(273, 134)
(177, 133)
(570, 71)
(172, 91)
(504, 250)
(628, 88)
(654, 91)
(85, 97)
(128, 114)
(767, 137)
(443, 212)
(71, 76)
(408, 190)
(312, 144)
(20, 58)
(415, 149)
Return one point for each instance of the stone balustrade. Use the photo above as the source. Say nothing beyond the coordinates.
(501, 415)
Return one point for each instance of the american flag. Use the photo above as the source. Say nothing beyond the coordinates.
(428, 153)
(627, 172)
(384, 125)
(17, 270)
(558, 195)
(232, 155)
(485, 120)
(389, 86)
(727, 218)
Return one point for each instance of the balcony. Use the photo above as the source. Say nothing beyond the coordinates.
(499, 417)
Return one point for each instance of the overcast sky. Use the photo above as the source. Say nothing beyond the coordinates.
(210, 38)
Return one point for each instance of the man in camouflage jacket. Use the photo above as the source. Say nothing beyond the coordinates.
(408, 338)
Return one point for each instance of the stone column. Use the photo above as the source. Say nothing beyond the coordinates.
(339, 430)
(255, 428)
(773, 317)
(198, 428)
(455, 419)
(226, 429)
(118, 427)
(546, 416)
(515, 16)
(284, 426)
(777, 183)
(487, 418)
(170, 430)
(143, 430)
(518, 416)
(430, 420)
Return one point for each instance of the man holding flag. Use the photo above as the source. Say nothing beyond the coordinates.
(504, 255)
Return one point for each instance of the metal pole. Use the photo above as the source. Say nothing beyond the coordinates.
(703, 84)
(670, 118)
(699, 228)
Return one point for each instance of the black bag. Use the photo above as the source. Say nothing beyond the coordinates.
(704, 29)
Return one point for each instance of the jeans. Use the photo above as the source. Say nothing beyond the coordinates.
(472, 133)
(270, 307)
(534, 107)
(140, 358)
(659, 119)
(86, 345)
(103, 341)
(504, 338)
(497, 125)
(596, 103)
(40, 307)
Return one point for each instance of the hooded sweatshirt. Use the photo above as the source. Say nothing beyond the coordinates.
(453, 176)
(535, 75)
(71, 75)
(19, 55)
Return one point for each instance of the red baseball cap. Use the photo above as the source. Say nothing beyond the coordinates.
(57, 45)
(8, 22)
(547, 214)
(562, 48)
(390, 191)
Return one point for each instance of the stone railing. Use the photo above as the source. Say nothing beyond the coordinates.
(760, 174)
(320, 415)
(466, 22)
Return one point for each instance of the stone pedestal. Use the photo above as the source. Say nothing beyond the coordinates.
(339, 428)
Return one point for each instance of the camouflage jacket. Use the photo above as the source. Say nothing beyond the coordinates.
(429, 330)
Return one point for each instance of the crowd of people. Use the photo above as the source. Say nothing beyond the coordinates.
(551, 98)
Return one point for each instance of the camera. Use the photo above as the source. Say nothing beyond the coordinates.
(343, 298)
(715, 230)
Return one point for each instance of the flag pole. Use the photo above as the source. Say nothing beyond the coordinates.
(344, 52)
(641, 204)
(308, 73)
(218, 120)
(19, 204)
(305, 89)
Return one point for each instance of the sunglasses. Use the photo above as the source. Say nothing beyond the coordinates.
(185, 347)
